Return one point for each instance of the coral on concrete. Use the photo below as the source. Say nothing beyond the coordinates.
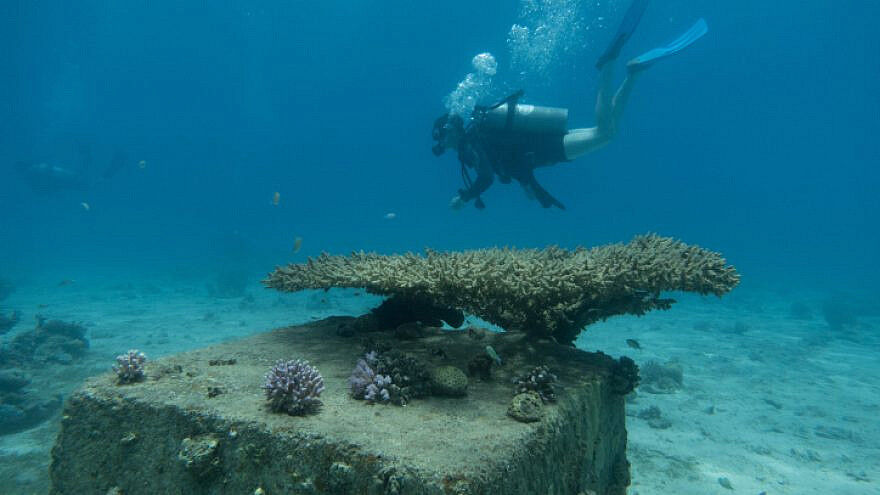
(389, 376)
(538, 380)
(624, 376)
(199, 455)
(129, 367)
(293, 387)
(526, 407)
(409, 375)
(366, 384)
(550, 292)
(449, 381)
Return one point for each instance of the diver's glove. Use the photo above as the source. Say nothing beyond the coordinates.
(456, 203)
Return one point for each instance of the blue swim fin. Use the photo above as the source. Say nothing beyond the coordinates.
(624, 32)
(645, 60)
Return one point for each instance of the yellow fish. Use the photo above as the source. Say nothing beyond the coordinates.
(297, 243)
(276, 198)
(85, 206)
(142, 164)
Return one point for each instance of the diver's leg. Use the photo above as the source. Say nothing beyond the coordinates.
(609, 108)
(636, 67)
(605, 97)
(621, 98)
(580, 141)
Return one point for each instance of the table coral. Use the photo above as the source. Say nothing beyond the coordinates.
(548, 292)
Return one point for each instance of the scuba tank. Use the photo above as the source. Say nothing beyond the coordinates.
(528, 118)
(509, 115)
(512, 119)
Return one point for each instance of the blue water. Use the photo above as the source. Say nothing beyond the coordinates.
(759, 142)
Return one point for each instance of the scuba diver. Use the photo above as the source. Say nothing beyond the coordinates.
(53, 179)
(511, 140)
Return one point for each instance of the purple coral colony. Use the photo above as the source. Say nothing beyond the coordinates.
(293, 387)
(366, 384)
(129, 367)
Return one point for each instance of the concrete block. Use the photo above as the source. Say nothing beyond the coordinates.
(198, 424)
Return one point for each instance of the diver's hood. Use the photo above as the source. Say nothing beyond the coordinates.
(445, 124)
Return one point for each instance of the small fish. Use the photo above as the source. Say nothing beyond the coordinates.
(276, 198)
(390, 216)
(297, 244)
(142, 164)
(85, 206)
(633, 343)
(66, 282)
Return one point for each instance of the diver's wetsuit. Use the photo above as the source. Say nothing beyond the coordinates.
(511, 155)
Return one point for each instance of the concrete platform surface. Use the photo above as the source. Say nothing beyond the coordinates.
(197, 425)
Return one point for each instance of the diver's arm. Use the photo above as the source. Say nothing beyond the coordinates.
(477, 188)
(530, 184)
(485, 176)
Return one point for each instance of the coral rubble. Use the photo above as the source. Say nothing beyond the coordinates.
(50, 341)
(22, 407)
(660, 378)
(550, 292)
(26, 400)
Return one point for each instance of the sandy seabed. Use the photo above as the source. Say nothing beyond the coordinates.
(772, 400)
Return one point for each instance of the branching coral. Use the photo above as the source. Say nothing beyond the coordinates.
(129, 367)
(366, 384)
(552, 291)
(538, 380)
(293, 387)
(389, 377)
